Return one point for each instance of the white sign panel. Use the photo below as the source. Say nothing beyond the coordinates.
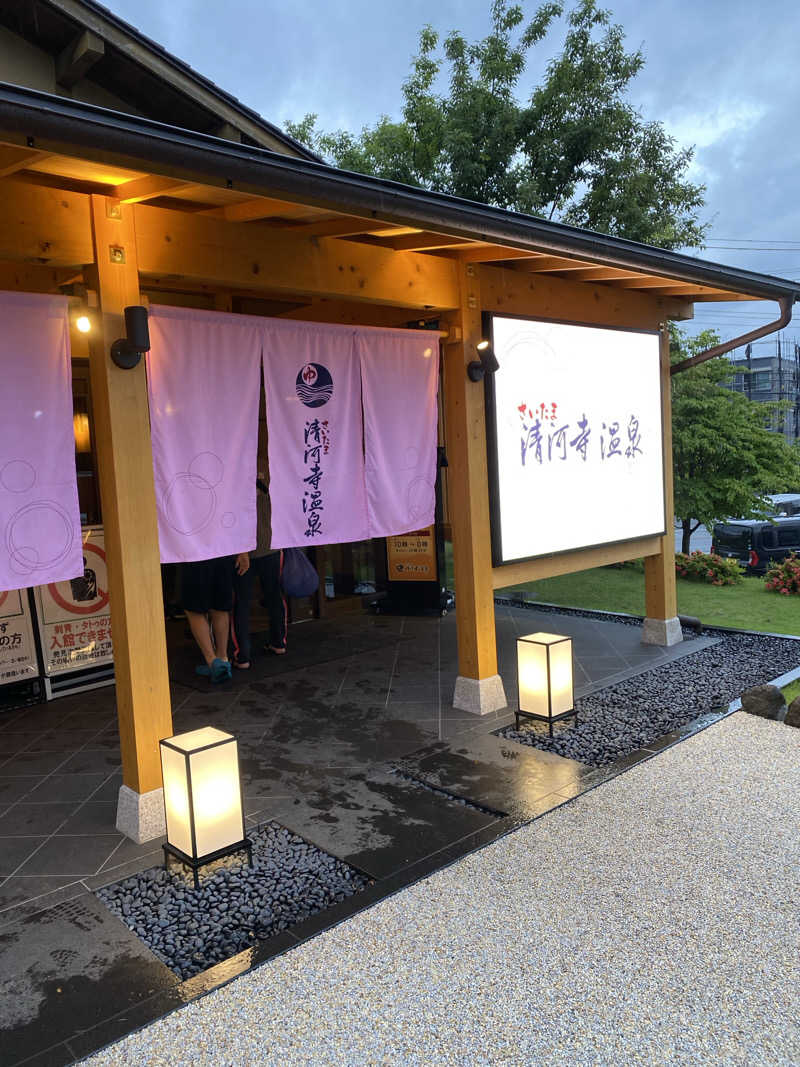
(74, 617)
(578, 455)
(17, 649)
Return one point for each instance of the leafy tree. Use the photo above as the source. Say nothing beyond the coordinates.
(576, 151)
(726, 459)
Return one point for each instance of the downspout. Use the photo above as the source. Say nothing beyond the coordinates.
(785, 303)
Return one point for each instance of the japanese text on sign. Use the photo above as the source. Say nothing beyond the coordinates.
(316, 445)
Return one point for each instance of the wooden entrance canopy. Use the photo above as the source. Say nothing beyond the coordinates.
(112, 206)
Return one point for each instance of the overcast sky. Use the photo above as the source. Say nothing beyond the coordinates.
(722, 75)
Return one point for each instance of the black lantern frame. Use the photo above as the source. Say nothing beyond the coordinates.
(549, 718)
(194, 861)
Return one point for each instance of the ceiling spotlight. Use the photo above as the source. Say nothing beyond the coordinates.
(83, 323)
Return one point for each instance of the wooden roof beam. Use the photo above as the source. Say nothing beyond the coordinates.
(551, 263)
(421, 242)
(13, 159)
(78, 58)
(493, 254)
(139, 190)
(262, 207)
(601, 274)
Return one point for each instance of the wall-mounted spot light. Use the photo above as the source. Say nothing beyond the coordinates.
(485, 364)
(83, 324)
(127, 351)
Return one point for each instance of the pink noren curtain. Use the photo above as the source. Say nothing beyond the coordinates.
(40, 524)
(203, 379)
(399, 381)
(316, 460)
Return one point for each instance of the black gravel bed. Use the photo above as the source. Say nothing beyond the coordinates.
(632, 714)
(190, 930)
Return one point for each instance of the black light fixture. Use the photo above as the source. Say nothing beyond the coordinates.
(485, 364)
(127, 351)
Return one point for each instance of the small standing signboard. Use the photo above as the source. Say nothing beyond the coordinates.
(411, 557)
(18, 661)
(74, 620)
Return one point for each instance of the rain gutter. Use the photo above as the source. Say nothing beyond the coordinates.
(785, 303)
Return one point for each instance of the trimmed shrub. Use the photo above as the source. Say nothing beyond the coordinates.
(708, 567)
(784, 577)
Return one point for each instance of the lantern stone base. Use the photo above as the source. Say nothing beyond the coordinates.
(479, 696)
(140, 816)
(663, 632)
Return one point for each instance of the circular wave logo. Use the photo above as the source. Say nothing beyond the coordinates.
(314, 385)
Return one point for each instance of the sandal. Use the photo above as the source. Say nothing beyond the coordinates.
(276, 651)
(242, 664)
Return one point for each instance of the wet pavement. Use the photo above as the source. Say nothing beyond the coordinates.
(321, 743)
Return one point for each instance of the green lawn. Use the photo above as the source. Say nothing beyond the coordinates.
(747, 606)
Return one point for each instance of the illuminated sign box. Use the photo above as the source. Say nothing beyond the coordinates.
(574, 430)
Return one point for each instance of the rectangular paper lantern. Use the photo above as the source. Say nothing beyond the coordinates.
(202, 795)
(544, 670)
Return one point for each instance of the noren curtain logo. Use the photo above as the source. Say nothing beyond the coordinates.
(314, 385)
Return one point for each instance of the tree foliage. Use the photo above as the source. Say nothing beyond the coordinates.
(576, 150)
(725, 457)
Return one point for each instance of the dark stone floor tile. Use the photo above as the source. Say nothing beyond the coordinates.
(92, 817)
(64, 741)
(57, 1056)
(109, 789)
(12, 741)
(92, 761)
(27, 763)
(493, 772)
(82, 967)
(15, 851)
(15, 789)
(148, 854)
(34, 819)
(71, 856)
(28, 898)
(133, 1018)
(66, 787)
(377, 821)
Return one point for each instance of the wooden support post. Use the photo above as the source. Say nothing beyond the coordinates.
(661, 625)
(124, 455)
(479, 688)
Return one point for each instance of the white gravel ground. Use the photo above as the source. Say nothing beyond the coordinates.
(652, 921)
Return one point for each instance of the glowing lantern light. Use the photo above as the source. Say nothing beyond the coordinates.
(544, 672)
(83, 323)
(202, 797)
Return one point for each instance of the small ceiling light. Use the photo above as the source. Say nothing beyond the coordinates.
(487, 364)
(83, 323)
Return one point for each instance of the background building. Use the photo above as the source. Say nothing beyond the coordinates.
(772, 378)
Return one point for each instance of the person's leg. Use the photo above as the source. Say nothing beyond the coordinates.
(221, 628)
(201, 632)
(240, 631)
(220, 615)
(195, 591)
(270, 574)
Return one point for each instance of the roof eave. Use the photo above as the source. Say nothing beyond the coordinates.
(65, 126)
